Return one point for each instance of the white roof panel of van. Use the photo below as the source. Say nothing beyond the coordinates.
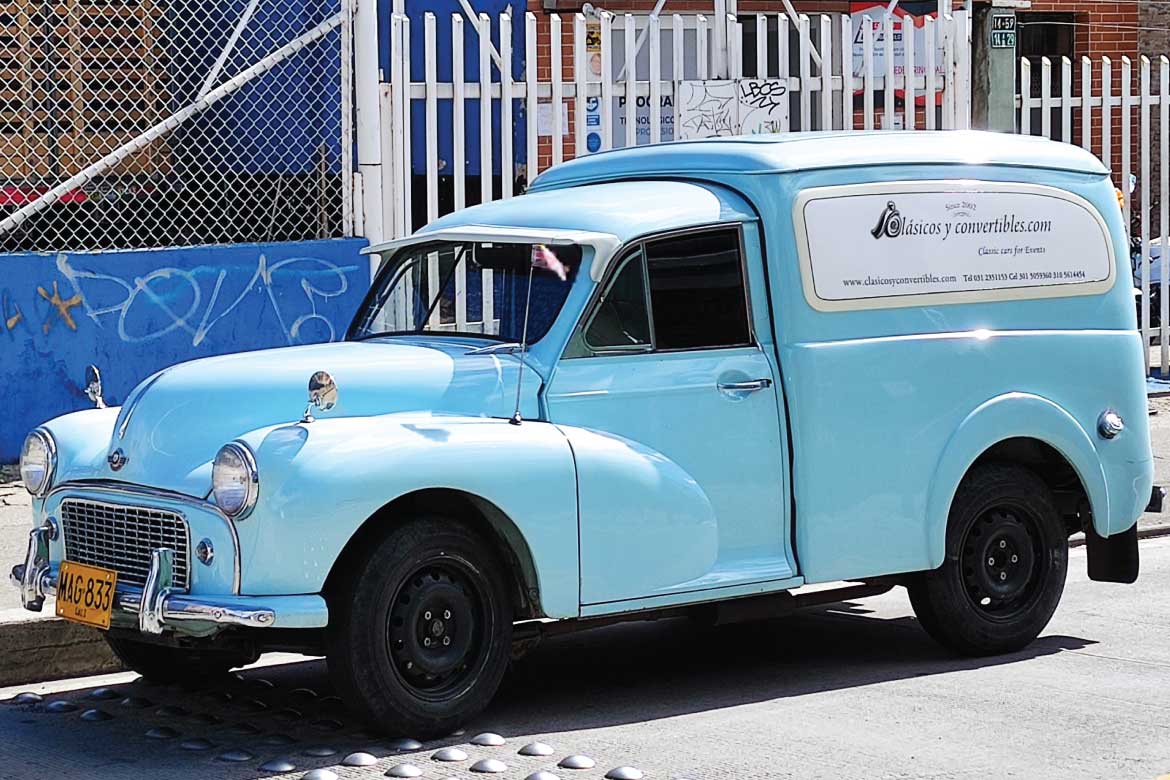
(810, 151)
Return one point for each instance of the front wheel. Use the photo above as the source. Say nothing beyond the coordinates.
(420, 632)
(1005, 565)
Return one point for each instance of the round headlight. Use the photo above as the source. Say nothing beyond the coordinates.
(38, 459)
(235, 483)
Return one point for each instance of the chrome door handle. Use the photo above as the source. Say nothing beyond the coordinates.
(749, 386)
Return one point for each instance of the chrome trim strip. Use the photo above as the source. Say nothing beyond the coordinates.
(175, 608)
(138, 491)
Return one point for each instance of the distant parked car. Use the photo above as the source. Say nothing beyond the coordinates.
(678, 380)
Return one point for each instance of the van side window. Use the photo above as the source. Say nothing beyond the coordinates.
(621, 322)
(697, 291)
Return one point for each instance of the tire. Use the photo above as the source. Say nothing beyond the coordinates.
(420, 632)
(160, 664)
(1005, 566)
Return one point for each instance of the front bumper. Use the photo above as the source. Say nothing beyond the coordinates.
(157, 607)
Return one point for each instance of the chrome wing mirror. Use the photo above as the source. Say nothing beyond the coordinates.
(322, 395)
(93, 386)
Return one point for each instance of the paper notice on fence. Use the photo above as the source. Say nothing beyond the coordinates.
(712, 108)
(907, 244)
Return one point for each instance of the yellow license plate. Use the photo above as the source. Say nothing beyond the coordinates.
(85, 594)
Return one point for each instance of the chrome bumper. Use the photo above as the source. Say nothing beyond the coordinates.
(156, 606)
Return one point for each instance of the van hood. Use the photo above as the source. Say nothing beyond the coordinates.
(172, 424)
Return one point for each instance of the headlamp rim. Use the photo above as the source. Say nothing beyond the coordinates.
(50, 445)
(244, 452)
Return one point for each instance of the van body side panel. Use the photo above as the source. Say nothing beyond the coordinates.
(889, 407)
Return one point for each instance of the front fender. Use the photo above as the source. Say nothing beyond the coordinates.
(1008, 416)
(319, 482)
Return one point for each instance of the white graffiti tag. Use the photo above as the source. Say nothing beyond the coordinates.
(104, 294)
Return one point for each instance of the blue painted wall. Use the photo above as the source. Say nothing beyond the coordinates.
(132, 313)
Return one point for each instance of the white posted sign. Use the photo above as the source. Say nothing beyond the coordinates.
(918, 243)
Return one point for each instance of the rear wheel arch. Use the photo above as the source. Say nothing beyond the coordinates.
(1026, 430)
(476, 512)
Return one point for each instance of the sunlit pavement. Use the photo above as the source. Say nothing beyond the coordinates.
(855, 691)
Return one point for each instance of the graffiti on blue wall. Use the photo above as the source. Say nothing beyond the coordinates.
(132, 313)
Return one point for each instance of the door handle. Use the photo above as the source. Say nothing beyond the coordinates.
(748, 386)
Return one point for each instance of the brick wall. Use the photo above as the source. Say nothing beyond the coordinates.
(1102, 29)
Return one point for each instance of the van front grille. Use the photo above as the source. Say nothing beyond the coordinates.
(121, 538)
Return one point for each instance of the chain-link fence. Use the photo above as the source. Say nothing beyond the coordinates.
(150, 123)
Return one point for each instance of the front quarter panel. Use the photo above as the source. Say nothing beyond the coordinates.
(321, 481)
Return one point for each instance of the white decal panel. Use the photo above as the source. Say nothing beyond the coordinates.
(919, 243)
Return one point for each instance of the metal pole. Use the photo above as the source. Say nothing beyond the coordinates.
(366, 76)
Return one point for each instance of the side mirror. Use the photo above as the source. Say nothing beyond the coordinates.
(322, 394)
(93, 386)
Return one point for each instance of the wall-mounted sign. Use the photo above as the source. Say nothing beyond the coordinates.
(909, 27)
(1003, 32)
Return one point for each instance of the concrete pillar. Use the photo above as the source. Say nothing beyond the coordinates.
(993, 66)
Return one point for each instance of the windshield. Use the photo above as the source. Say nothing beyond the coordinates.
(475, 288)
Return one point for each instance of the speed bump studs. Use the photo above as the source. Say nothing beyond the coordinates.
(236, 756)
(487, 739)
(537, 749)
(328, 724)
(171, 711)
(359, 759)
(103, 694)
(197, 744)
(28, 698)
(320, 751)
(137, 703)
(449, 754)
(404, 770)
(96, 716)
(577, 762)
(489, 766)
(320, 774)
(278, 766)
(162, 732)
(277, 740)
(405, 745)
(624, 773)
(60, 706)
(542, 775)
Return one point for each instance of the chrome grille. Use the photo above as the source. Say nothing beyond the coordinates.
(121, 538)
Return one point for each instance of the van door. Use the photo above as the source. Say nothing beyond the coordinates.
(670, 398)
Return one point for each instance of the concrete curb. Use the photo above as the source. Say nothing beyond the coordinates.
(38, 648)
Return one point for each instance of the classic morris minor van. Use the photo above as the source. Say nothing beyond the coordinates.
(688, 379)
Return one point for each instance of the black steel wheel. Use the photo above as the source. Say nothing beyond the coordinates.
(420, 630)
(435, 631)
(1005, 565)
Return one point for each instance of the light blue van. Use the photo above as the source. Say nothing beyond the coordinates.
(683, 379)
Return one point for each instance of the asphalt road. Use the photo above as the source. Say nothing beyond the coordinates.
(853, 691)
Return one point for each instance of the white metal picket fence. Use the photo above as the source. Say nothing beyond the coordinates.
(1121, 114)
(689, 76)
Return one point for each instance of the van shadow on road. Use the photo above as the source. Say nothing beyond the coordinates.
(645, 671)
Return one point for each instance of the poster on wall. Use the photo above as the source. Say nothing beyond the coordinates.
(909, 25)
(712, 108)
(903, 245)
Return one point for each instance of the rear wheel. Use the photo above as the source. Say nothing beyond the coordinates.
(158, 663)
(420, 632)
(1005, 565)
